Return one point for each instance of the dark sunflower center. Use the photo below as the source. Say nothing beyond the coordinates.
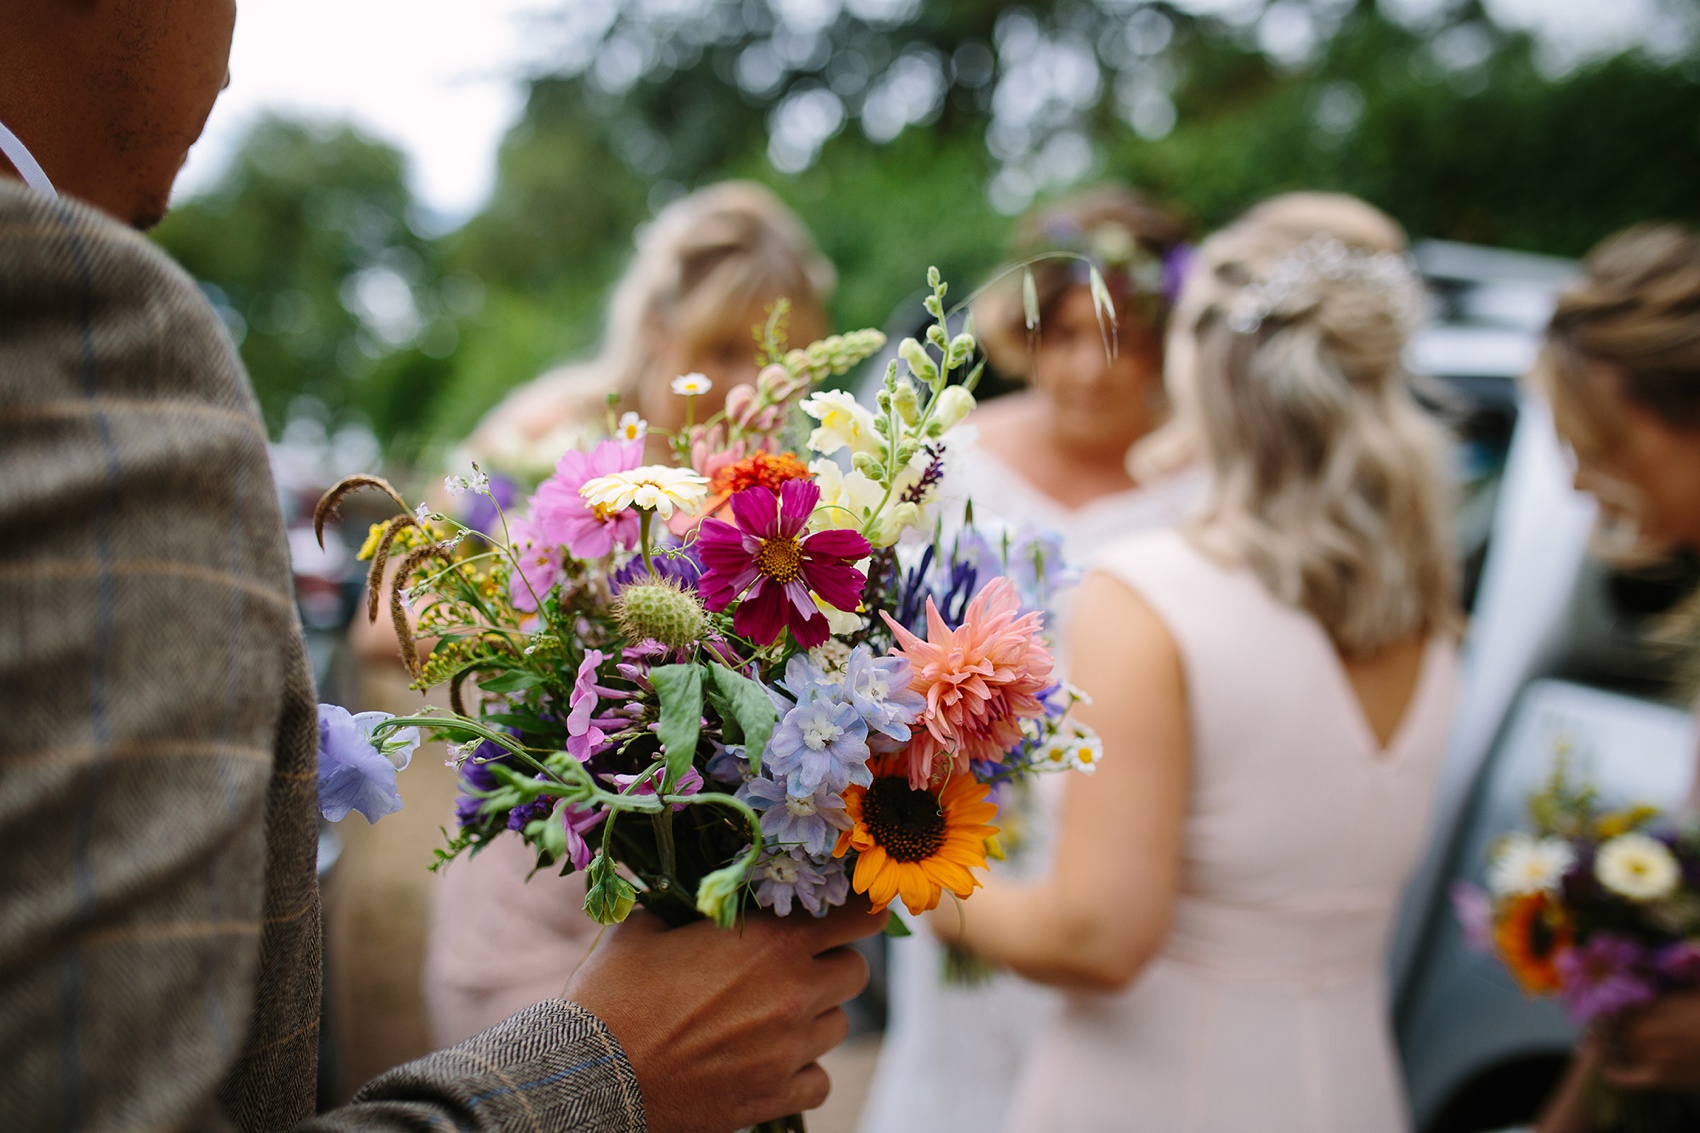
(906, 823)
(780, 559)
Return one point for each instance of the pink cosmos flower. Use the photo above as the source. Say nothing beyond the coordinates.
(979, 680)
(768, 562)
(563, 517)
(539, 565)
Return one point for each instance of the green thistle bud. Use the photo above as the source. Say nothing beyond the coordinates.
(660, 610)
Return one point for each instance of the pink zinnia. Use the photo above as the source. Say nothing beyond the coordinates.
(768, 561)
(564, 517)
(538, 567)
(980, 681)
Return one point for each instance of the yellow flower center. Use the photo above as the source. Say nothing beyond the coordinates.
(602, 512)
(780, 559)
(907, 824)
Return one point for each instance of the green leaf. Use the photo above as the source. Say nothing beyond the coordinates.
(751, 707)
(514, 680)
(896, 928)
(680, 690)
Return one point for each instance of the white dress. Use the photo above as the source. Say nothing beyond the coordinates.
(951, 1054)
(1267, 1008)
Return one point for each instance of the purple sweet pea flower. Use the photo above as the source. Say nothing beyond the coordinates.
(820, 742)
(526, 813)
(1602, 977)
(584, 738)
(356, 773)
(791, 875)
(476, 779)
(578, 822)
(689, 783)
(810, 823)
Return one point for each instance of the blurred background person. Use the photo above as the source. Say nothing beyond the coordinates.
(1621, 367)
(708, 270)
(1273, 684)
(1052, 453)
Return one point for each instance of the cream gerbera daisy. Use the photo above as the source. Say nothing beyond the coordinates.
(1523, 864)
(692, 385)
(1637, 867)
(653, 487)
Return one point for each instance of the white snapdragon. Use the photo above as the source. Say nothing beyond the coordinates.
(844, 423)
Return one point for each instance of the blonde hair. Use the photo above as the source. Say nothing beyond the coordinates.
(699, 266)
(1329, 480)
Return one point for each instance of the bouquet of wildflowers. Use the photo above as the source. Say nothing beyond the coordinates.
(762, 675)
(1601, 909)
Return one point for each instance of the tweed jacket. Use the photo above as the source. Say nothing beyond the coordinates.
(159, 930)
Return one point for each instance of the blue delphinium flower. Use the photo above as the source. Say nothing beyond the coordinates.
(357, 772)
(820, 742)
(1037, 567)
(804, 674)
(790, 875)
(730, 763)
(879, 689)
(809, 822)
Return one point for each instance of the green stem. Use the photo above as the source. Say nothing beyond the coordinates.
(663, 823)
(644, 517)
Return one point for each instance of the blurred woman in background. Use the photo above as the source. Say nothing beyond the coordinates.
(1053, 454)
(1621, 367)
(706, 271)
(1273, 685)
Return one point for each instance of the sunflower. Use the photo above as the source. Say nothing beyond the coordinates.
(913, 842)
(1531, 934)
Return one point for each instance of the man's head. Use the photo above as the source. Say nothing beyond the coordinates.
(109, 94)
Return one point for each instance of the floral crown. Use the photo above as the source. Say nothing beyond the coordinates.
(1119, 252)
(1325, 258)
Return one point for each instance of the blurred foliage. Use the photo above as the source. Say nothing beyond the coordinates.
(907, 134)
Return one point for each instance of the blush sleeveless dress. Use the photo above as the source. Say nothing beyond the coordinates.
(1268, 1007)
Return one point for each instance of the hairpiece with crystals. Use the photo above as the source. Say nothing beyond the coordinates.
(1325, 258)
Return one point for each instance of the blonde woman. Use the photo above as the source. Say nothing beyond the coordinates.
(1273, 684)
(1621, 366)
(1053, 454)
(707, 270)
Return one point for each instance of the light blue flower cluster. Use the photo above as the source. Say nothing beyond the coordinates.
(818, 750)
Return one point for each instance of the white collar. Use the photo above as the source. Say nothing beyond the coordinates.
(25, 163)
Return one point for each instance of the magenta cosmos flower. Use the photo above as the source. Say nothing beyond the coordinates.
(768, 562)
(561, 516)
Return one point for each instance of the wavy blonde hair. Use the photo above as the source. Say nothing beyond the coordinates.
(1329, 479)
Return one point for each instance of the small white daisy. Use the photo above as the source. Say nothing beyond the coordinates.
(632, 427)
(691, 385)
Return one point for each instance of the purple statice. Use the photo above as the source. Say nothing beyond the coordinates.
(821, 741)
(584, 738)
(790, 876)
(879, 689)
(1678, 965)
(1603, 976)
(672, 561)
(357, 772)
(689, 783)
(1474, 910)
(811, 822)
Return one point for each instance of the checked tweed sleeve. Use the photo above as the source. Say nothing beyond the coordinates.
(160, 945)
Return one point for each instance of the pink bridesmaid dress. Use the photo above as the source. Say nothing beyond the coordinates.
(1268, 1007)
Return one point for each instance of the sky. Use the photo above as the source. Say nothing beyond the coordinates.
(440, 78)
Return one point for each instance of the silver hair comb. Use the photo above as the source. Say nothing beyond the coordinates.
(1325, 258)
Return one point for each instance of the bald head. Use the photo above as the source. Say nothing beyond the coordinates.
(109, 94)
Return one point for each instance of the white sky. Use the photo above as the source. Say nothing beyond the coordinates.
(438, 78)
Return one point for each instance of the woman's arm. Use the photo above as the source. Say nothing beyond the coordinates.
(1103, 911)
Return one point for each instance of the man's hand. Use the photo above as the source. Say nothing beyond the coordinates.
(723, 1027)
(1656, 1046)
